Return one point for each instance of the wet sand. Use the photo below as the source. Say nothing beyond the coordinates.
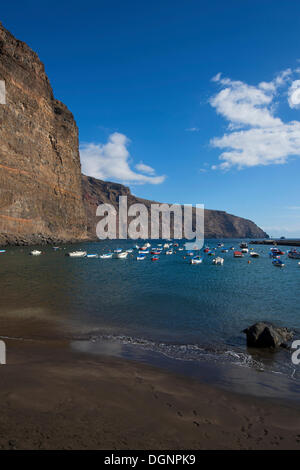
(54, 398)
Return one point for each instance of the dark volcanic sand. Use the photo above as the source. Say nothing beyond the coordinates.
(53, 398)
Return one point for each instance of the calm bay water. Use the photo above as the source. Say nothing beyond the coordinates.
(168, 308)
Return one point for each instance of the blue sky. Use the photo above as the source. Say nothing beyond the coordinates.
(137, 76)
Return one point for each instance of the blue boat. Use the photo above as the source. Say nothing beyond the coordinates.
(278, 263)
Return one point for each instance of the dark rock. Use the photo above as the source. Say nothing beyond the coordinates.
(266, 335)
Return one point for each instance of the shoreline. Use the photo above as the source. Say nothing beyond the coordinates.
(55, 398)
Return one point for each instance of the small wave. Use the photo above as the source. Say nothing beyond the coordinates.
(185, 352)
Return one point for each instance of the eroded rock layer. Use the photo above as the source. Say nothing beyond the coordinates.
(40, 172)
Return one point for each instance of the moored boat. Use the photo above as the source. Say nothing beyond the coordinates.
(122, 255)
(243, 245)
(35, 253)
(77, 254)
(278, 262)
(218, 260)
(238, 254)
(294, 254)
(106, 256)
(253, 254)
(196, 260)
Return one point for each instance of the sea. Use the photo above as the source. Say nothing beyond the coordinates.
(187, 319)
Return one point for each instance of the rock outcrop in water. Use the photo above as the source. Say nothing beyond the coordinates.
(43, 198)
(40, 172)
(266, 335)
(218, 224)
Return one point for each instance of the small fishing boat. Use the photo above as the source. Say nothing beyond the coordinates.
(145, 252)
(238, 254)
(253, 254)
(218, 260)
(244, 250)
(211, 253)
(92, 255)
(129, 251)
(169, 252)
(196, 260)
(224, 251)
(35, 253)
(77, 254)
(180, 249)
(118, 250)
(294, 254)
(166, 246)
(2, 251)
(155, 252)
(155, 258)
(278, 262)
(141, 257)
(220, 245)
(244, 245)
(106, 256)
(122, 255)
(232, 248)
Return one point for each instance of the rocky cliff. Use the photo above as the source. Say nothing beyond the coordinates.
(218, 224)
(43, 198)
(40, 172)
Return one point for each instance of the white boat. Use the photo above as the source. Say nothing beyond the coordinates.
(35, 253)
(118, 250)
(244, 250)
(122, 255)
(106, 256)
(77, 254)
(140, 258)
(92, 255)
(166, 246)
(169, 252)
(196, 260)
(218, 260)
(244, 245)
(129, 251)
(253, 254)
(144, 252)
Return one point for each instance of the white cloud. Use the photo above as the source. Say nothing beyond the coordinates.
(256, 136)
(111, 161)
(192, 129)
(145, 168)
(294, 94)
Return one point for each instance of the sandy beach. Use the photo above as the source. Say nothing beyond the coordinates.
(54, 398)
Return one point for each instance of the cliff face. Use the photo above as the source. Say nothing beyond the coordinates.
(40, 173)
(218, 224)
(43, 197)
